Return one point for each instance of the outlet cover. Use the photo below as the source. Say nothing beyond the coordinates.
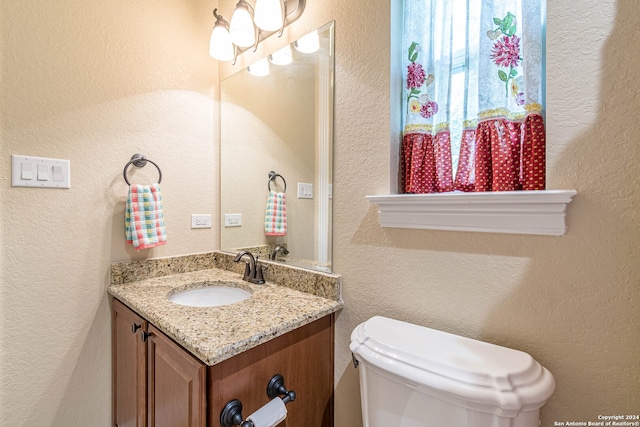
(233, 220)
(200, 220)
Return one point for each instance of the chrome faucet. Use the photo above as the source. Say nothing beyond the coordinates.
(278, 248)
(252, 270)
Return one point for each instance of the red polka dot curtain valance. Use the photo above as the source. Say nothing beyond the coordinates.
(472, 97)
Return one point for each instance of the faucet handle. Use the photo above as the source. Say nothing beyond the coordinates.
(247, 271)
(258, 278)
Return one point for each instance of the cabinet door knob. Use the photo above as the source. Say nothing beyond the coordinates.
(134, 328)
(144, 335)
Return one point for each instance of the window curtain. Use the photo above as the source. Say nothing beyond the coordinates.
(481, 68)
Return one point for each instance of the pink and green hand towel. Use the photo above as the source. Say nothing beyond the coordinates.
(275, 218)
(143, 217)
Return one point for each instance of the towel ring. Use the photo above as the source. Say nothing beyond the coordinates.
(272, 177)
(140, 161)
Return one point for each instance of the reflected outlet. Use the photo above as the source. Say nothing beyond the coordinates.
(232, 220)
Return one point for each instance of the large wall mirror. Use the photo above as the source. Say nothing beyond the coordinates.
(278, 119)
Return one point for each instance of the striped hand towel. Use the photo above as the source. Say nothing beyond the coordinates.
(143, 218)
(275, 218)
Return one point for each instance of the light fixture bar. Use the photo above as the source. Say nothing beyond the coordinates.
(238, 33)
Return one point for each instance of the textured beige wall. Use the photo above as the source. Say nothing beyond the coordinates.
(93, 82)
(571, 301)
(96, 82)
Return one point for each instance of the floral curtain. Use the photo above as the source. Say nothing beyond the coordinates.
(473, 66)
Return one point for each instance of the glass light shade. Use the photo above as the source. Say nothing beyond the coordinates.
(268, 14)
(260, 68)
(309, 43)
(283, 56)
(241, 29)
(220, 46)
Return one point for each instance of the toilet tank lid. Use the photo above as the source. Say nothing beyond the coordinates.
(456, 365)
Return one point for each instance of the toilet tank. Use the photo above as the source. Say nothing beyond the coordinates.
(413, 376)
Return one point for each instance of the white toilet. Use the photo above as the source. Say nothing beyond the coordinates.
(412, 376)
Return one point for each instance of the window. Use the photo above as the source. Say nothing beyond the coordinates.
(471, 123)
(481, 210)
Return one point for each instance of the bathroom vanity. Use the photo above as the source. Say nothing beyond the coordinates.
(177, 365)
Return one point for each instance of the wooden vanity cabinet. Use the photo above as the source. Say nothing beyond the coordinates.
(176, 384)
(157, 383)
(304, 357)
(129, 363)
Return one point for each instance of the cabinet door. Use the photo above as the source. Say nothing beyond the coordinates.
(176, 384)
(129, 354)
(304, 357)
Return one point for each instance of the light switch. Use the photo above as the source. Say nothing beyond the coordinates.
(43, 172)
(26, 171)
(40, 172)
(57, 173)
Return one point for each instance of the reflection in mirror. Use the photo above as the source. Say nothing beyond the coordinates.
(277, 116)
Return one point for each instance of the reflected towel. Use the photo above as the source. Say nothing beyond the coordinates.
(143, 217)
(275, 218)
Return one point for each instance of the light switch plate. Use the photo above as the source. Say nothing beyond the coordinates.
(40, 172)
(305, 190)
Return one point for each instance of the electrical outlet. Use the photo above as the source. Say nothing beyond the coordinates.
(233, 220)
(200, 220)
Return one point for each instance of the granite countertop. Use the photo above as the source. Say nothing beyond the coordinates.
(214, 334)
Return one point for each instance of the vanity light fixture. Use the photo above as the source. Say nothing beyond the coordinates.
(270, 15)
(283, 56)
(309, 43)
(249, 26)
(260, 68)
(220, 45)
(242, 30)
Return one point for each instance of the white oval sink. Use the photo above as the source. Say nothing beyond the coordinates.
(209, 296)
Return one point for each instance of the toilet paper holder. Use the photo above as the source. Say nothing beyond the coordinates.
(231, 415)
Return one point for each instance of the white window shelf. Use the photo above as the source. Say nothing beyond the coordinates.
(515, 212)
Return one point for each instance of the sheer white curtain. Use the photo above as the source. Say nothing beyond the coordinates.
(474, 73)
